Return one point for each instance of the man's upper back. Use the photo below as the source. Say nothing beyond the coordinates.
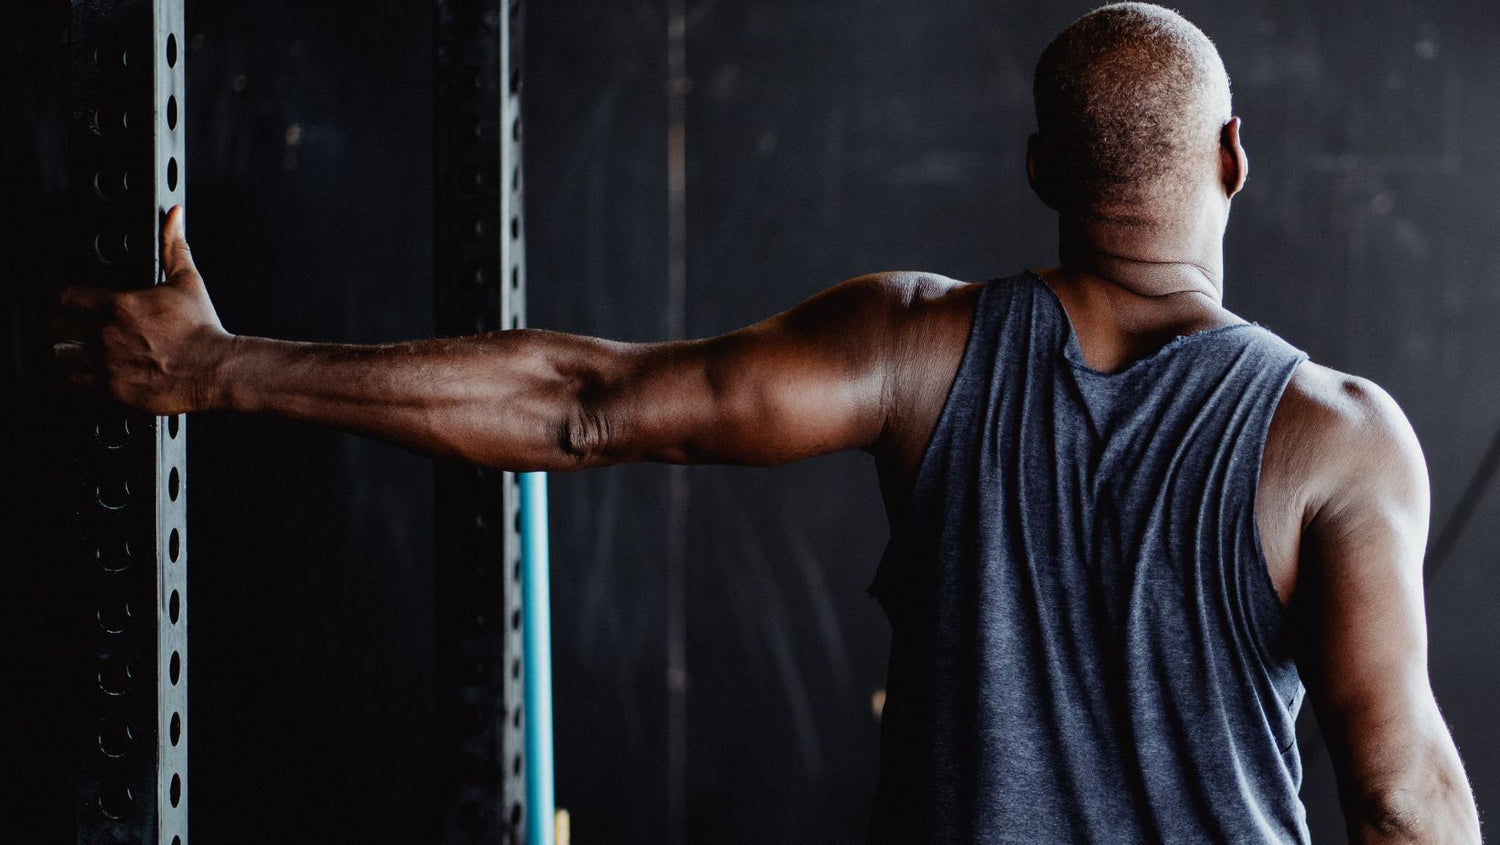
(1085, 643)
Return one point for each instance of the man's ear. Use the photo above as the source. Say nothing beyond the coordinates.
(1234, 165)
(1038, 170)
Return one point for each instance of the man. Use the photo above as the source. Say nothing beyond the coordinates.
(1127, 525)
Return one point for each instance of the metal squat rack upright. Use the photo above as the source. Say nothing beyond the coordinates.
(482, 667)
(125, 171)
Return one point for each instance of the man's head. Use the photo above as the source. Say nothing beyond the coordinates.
(1133, 117)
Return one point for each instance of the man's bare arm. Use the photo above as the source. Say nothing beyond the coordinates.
(806, 382)
(1359, 597)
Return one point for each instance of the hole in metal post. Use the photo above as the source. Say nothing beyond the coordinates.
(174, 545)
(473, 673)
(174, 668)
(115, 737)
(171, 112)
(174, 607)
(113, 434)
(173, 424)
(111, 248)
(113, 555)
(115, 799)
(472, 768)
(175, 792)
(114, 618)
(113, 496)
(111, 183)
(172, 174)
(471, 818)
(171, 51)
(468, 127)
(174, 483)
(477, 276)
(115, 674)
(174, 730)
(471, 719)
(515, 766)
(515, 129)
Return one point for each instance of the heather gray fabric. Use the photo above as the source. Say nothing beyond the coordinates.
(1086, 646)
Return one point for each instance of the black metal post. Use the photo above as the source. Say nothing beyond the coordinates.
(126, 169)
(479, 287)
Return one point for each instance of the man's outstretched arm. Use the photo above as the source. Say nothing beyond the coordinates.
(1364, 658)
(806, 382)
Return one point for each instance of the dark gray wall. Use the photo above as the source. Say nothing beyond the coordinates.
(825, 140)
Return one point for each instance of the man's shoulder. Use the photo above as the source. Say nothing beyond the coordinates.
(922, 310)
(1344, 429)
(907, 289)
(1347, 408)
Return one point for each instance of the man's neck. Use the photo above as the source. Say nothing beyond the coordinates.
(1130, 287)
(1148, 258)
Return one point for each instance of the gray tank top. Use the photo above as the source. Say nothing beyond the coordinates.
(1086, 645)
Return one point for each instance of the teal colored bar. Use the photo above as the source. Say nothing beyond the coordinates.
(536, 643)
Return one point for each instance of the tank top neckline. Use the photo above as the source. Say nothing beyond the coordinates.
(1073, 350)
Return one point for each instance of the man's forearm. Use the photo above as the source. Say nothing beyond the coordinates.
(504, 399)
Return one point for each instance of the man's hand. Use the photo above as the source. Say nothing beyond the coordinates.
(157, 349)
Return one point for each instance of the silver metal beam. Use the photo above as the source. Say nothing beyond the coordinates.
(479, 287)
(126, 168)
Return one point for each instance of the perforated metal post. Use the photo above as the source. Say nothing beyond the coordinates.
(480, 287)
(126, 169)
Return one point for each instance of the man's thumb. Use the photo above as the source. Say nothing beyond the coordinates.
(176, 257)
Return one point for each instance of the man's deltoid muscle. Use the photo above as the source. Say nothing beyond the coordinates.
(1127, 526)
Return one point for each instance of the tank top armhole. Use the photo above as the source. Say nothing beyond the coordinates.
(886, 577)
(1270, 613)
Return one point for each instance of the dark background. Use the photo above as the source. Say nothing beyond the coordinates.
(824, 140)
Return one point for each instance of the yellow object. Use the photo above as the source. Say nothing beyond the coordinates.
(562, 827)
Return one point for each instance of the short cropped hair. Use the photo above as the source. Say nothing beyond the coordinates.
(1130, 99)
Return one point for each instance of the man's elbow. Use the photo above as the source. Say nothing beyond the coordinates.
(584, 436)
(1393, 816)
(1442, 815)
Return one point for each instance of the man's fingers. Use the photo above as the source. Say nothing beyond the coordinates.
(176, 257)
(71, 355)
(75, 327)
(86, 299)
(85, 379)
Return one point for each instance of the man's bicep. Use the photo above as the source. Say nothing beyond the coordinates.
(805, 382)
